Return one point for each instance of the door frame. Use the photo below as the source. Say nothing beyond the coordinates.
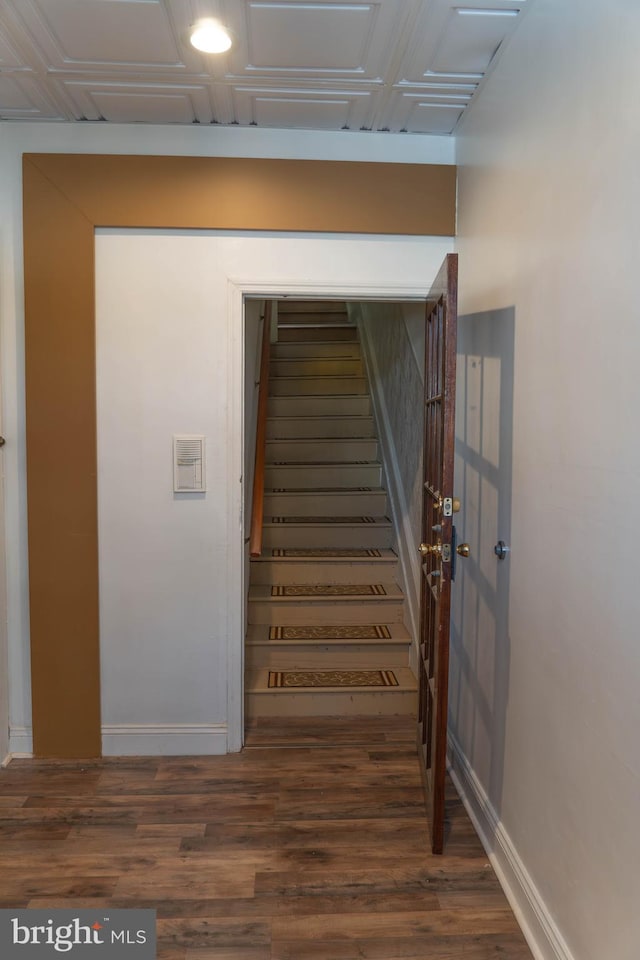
(237, 586)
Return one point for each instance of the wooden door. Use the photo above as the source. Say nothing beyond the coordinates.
(437, 548)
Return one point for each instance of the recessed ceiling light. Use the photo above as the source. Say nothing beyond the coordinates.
(210, 36)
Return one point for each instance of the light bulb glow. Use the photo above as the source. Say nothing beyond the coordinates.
(209, 36)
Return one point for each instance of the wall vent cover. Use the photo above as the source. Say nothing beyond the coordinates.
(188, 463)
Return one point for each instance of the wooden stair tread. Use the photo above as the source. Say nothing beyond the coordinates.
(326, 463)
(314, 491)
(317, 352)
(326, 555)
(261, 633)
(258, 683)
(300, 521)
(285, 594)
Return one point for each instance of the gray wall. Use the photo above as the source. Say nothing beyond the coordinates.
(547, 708)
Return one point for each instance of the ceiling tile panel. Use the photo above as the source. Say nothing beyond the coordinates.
(307, 35)
(91, 33)
(458, 40)
(423, 116)
(149, 103)
(21, 98)
(470, 39)
(338, 40)
(321, 114)
(433, 118)
(156, 108)
(9, 57)
(323, 109)
(435, 108)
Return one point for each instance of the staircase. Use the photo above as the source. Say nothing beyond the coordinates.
(324, 604)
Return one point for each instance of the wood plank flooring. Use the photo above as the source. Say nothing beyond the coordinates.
(309, 845)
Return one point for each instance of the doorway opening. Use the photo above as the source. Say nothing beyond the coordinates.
(331, 594)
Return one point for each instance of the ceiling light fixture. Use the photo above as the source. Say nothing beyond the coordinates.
(210, 36)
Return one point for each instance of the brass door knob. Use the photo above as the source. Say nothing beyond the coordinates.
(463, 549)
(425, 549)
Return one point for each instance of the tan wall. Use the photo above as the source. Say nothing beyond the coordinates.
(65, 198)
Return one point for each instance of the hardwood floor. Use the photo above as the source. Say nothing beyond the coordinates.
(309, 845)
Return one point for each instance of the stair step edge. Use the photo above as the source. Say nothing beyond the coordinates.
(257, 683)
(390, 560)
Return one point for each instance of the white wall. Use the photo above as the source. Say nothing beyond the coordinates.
(548, 229)
(397, 388)
(4, 653)
(169, 360)
(17, 138)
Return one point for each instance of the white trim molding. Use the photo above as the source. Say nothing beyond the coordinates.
(20, 742)
(163, 739)
(539, 928)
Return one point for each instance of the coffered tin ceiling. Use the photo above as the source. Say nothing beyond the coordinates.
(398, 65)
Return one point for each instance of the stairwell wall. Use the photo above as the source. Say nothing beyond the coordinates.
(392, 334)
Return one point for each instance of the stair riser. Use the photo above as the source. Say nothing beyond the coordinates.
(297, 305)
(324, 332)
(345, 703)
(277, 612)
(322, 475)
(356, 504)
(319, 450)
(320, 406)
(316, 367)
(287, 535)
(306, 348)
(351, 657)
(317, 386)
(312, 320)
(281, 571)
(285, 428)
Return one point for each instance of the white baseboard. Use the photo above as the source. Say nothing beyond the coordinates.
(140, 739)
(20, 742)
(407, 555)
(163, 739)
(540, 930)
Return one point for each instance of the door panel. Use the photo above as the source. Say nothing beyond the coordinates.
(437, 535)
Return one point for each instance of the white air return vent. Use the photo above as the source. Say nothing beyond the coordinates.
(188, 464)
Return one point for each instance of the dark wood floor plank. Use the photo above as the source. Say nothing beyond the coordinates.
(218, 932)
(312, 844)
(429, 948)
